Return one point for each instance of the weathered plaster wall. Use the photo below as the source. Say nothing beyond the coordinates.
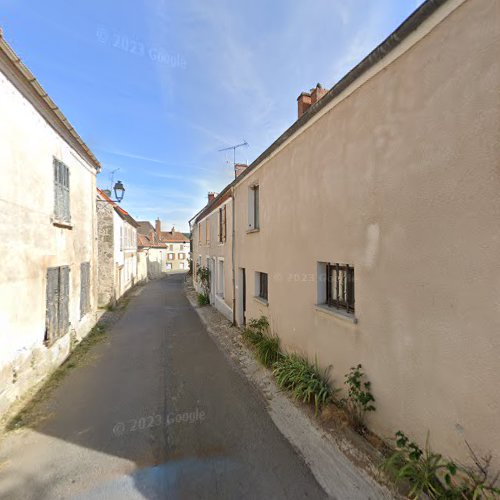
(30, 243)
(399, 177)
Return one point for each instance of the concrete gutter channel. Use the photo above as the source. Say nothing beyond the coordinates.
(325, 454)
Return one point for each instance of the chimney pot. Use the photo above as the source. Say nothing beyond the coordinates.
(211, 197)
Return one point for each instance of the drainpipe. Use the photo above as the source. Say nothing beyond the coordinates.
(233, 232)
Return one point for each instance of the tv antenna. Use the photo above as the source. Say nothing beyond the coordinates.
(112, 176)
(244, 143)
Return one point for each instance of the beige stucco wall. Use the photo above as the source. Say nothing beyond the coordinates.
(400, 177)
(217, 252)
(30, 243)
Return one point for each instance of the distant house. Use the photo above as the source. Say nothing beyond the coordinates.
(117, 250)
(48, 232)
(178, 247)
(149, 244)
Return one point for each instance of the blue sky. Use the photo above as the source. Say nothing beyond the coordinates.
(157, 87)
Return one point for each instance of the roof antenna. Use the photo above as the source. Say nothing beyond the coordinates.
(244, 143)
(112, 177)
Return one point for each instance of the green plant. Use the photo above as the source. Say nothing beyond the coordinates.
(203, 276)
(429, 473)
(296, 374)
(267, 347)
(268, 350)
(260, 325)
(203, 299)
(359, 397)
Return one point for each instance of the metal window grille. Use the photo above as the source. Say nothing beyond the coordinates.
(340, 286)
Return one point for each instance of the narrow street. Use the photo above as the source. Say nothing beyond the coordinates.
(157, 412)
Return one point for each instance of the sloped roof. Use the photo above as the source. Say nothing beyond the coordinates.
(418, 17)
(119, 210)
(34, 92)
(173, 237)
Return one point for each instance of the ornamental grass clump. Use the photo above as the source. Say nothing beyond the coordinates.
(267, 346)
(304, 380)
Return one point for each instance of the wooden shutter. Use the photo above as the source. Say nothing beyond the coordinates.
(52, 305)
(84, 288)
(63, 300)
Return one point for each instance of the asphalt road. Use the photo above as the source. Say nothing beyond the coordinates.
(157, 412)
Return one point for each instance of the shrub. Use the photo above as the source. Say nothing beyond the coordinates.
(296, 374)
(203, 300)
(428, 473)
(203, 275)
(268, 349)
(359, 398)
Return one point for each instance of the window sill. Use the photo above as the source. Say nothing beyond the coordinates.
(261, 300)
(256, 230)
(337, 313)
(62, 225)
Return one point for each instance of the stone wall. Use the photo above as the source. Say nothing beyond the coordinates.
(105, 259)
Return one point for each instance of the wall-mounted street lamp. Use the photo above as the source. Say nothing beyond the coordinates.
(119, 190)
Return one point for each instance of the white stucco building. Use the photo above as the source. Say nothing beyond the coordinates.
(47, 235)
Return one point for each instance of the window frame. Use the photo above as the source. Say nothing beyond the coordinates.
(262, 286)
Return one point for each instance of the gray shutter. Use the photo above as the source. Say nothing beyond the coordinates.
(52, 299)
(84, 288)
(63, 301)
(65, 187)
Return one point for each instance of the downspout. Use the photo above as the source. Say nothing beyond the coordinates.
(233, 232)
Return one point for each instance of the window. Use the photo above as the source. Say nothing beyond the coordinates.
(171, 247)
(338, 286)
(220, 278)
(222, 224)
(253, 208)
(181, 265)
(171, 256)
(199, 233)
(57, 303)
(61, 192)
(207, 232)
(84, 288)
(261, 286)
(169, 265)
(182, 256)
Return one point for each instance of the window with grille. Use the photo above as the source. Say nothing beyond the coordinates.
(84, 288)
(261, 286)
(57, 303)
(61, 192)
(339, 286)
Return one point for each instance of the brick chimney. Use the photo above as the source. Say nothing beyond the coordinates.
(304, 101)
(239, 168)
(317, 93)
(211, 197)
(158, 227)
(307, 99)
